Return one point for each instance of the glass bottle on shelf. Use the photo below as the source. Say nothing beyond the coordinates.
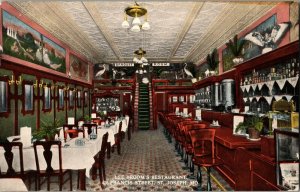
(246, 81)
(288, 70)
(297, 69)
(250, 81)
(293, 68)
(272, 74)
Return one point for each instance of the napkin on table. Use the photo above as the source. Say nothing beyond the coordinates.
(25, 134)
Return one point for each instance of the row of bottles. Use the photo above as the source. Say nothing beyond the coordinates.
(286, 69)
(219, 94)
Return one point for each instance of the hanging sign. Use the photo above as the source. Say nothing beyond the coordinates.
(124, 64)
(160, 64)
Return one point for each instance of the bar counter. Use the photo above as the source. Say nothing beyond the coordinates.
(224, 136)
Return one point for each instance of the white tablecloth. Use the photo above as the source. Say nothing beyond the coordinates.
(12, 184)
(112, 129)
(111, 134)
(73, 156)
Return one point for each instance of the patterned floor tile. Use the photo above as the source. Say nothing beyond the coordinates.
(147, 163)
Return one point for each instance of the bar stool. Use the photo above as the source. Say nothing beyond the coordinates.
(204, 154)
(188, 144)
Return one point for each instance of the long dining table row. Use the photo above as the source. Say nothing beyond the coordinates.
(74, 156)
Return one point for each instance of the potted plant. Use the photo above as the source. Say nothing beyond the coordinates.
(47, 130)
(236, 46)
(212, 61)
(253, 125)
(87, 119)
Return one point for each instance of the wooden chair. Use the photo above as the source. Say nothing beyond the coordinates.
(10, 157)
(100, 160)
(71, 131)
(97, 121)
(89, 127)
(187, 144)
(49, 171)
(118, 138)
(203, 141)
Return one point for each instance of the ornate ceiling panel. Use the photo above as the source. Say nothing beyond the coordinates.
(181, 31)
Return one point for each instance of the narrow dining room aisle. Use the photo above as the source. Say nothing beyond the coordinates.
(149, 163)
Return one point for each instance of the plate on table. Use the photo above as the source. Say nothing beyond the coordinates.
(14, 138)
(251, 139)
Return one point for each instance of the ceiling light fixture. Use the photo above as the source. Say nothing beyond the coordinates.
(142, 69)
(135, 11)
(140, 57)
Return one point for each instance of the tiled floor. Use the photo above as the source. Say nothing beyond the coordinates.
(147, 163)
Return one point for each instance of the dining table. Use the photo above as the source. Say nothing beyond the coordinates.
(74, 156)
(12, 184)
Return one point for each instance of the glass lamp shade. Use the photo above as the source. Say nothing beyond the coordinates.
(140, 71)
(145, 80)
(144, 60)
(135, 60)
(135, 28)
(136, 21)
(125, 24)
(146, 26)
(145, 71)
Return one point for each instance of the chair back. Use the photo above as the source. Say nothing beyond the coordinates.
(89, 127)
(203, 141)
(97, 121)
(70, 130)
(104, 144)
(47, 154)
(199, 126)
(10, 156)
(120, 127)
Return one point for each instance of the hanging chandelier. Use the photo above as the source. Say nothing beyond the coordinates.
(140, 56)
(136, 12)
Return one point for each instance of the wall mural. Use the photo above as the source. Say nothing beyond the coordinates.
(201, 70)
(262, 39)
(123, 72)
(101, 71)
(227, 58)
(23, 42)
(172, 71)
(252, 48)
(175, 71)
(79, 68)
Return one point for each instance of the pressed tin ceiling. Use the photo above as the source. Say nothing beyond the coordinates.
(181, 31)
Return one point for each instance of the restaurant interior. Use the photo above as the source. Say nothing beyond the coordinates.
(149, 95)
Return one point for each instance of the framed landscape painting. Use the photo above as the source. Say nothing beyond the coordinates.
(23, 42)
(79, 68)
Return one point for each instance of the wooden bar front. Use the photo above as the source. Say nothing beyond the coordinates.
(226, 145)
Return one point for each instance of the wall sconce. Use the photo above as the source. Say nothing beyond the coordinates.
(41, 84)
(35, 84)
(12, 80)
(66, 88)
